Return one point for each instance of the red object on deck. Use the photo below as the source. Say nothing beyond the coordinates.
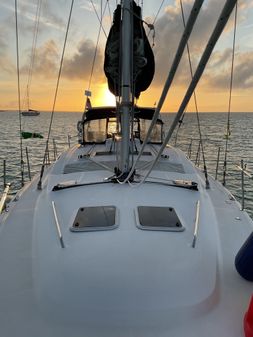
(248, 320)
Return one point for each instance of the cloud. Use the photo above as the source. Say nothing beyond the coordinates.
(27, 11)
(169, 28)
(5, 62)
(87, 6)
(246, 4)
(79, 65)
(3, 44)
(46, 60)
(49, 17)
(219, 70)
(75, 67)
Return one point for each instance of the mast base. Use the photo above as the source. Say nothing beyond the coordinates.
(121, 176)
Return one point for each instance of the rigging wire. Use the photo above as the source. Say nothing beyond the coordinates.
(96, 48)
(100, 21)
(33, 51)
(149, 25)
(230, 99)
(195, 102)
(152, 26)
(55, 95)
(19, 101)
(220, 25)
(158, 12)
(109, 10)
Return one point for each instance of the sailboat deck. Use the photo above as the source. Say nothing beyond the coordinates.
(89, 159)
(87, 166)
(124, 278)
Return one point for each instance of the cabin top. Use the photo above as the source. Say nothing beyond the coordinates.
(100, 123)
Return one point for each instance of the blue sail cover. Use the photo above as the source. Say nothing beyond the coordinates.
(143, 57)
(244, 259)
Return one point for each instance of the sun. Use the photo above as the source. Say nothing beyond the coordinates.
(105, 97)
(109, 98)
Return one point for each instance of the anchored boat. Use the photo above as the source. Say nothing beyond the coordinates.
(30, 112)
(123, 235)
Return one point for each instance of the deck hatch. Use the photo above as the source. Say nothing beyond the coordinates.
(159, 218)
(94, 218)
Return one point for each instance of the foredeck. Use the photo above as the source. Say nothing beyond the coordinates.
(127, 279)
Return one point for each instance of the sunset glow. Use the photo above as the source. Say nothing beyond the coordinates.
(212, 91)
(104, 97)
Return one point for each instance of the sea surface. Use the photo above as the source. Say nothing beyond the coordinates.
(64, 134)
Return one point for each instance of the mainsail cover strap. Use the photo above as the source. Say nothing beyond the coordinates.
(143, 57)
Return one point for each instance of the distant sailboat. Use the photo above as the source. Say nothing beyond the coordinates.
(29, 112)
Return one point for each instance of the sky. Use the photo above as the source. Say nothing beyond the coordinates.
(212, 91)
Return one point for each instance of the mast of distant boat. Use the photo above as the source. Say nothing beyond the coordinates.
(27, 98)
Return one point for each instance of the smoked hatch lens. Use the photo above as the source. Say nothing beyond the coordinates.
(96, 218)
(158, 218)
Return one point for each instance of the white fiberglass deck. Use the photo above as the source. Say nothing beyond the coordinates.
(125, 281)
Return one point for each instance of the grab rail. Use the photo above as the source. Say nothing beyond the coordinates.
(196, 225)
(58, 225)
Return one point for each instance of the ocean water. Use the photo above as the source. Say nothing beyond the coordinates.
(64, 133)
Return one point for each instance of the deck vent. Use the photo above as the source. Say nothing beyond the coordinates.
(159, 218)
(95, 218)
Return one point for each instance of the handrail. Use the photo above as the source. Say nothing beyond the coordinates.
(58, 225)
(196, 225)
(28, 163)
(217, 163)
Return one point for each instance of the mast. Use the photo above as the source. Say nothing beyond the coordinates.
(128, 58)
(125, 92)
(28, 99)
